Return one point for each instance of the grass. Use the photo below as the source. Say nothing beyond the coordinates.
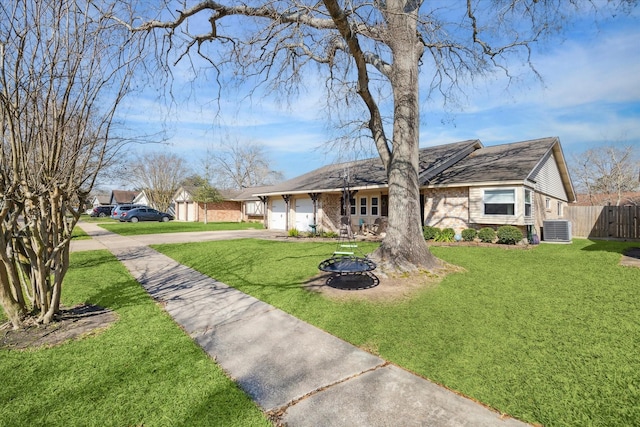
(152, 227)
(548, 335)
(79, 234)
(143, 370)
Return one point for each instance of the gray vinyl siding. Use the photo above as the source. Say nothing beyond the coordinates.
(548, 179)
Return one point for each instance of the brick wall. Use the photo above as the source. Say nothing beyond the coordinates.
(221, 212)
(330, 217)
(447, 208)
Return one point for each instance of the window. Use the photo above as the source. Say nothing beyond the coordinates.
(559, 208)
(547, 203)
(352, 206)
(527, 202)
(363, 205)
(499, 202)
(253, 208)
(374, 206)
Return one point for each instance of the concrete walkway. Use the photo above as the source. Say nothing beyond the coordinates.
(292, 370)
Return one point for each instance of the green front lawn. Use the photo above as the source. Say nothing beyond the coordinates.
(153, 227)
(549, 335)
(143, 370)
(79, 234)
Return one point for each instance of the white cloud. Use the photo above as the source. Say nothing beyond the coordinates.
(591, 94)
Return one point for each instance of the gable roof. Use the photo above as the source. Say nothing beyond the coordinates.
(248, 194)
(514, 162)
(369, 173)
(122, 196)
(629, 198)
(463, 163)
(228, 195)
(102, 199)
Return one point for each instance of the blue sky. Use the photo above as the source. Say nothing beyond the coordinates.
(590, 96)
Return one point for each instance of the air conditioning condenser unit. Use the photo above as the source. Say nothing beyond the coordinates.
(558, 231)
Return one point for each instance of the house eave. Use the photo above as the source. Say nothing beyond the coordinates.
(322, 190)
(479, 184)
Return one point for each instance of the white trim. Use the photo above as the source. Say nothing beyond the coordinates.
(477, 184)
(325, 190)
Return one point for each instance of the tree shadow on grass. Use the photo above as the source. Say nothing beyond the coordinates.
(615, 246)
(114, 290)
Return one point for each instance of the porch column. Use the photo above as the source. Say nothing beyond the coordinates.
(314, 199)
(287, 198)
(264, 200)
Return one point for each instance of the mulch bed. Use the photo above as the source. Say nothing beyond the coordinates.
(72, 323)
(631, 258)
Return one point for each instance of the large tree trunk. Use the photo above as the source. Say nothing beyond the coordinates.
(404, 247)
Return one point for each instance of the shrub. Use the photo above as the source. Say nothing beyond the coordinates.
(469, 234)
(430, 233)
(328, 234)
(293, 232)
(509, 235)
(446, 235)
(487, 235)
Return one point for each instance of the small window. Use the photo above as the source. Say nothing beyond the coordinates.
(363, 205)
(559, 208)
(374, 206)
(547, 203)
(499, 202)
(527, 203)
(352, 203)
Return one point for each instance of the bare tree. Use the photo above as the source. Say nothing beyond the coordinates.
(64, 71)
(240, 165)
(159, 175)
(373, 52)
(607, 171)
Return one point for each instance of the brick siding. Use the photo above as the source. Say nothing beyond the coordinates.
(221, 212)
(447, 208)
(330, 218)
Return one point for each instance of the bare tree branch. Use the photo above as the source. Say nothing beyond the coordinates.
(64, 71)
(241, 164)
(159, 175)
(373, 53)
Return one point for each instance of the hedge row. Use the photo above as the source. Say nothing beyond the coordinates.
(506, 234)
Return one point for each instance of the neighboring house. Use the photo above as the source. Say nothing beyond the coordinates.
(141, 199)
(252, 207)
(187, 209)
(626, 199)
(100, 200)
(119, 197)
(462, 185)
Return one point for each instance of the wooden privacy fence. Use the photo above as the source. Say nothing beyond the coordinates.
(615, 222)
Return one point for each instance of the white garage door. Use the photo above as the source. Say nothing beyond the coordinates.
(191, 211)
(304, 214)
(278, 217)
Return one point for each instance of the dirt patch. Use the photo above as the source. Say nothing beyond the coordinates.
(378, 289)
(631, 258)
(72, 323)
